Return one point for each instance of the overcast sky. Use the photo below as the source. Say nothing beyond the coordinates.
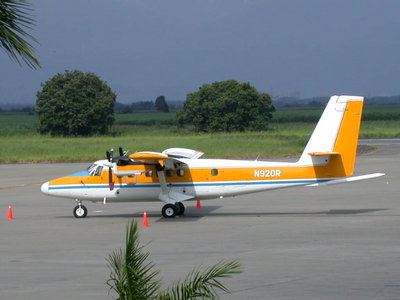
(147, 48)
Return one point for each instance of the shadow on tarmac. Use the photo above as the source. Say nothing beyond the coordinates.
(193, 214)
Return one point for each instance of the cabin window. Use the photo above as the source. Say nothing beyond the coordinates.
(214, 172)
(180, 173)
(149, 173)
(170, 173)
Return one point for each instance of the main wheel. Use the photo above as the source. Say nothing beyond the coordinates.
(80, 211)
(181, 208)
(169, 210)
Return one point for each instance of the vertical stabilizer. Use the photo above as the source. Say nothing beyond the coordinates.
(335, 138)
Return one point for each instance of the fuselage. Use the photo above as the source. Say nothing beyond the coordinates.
(199, 178)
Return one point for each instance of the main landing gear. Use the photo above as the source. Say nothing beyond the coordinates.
(170, 210)
(80, 211)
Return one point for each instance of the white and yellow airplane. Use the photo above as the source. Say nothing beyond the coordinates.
(177, 175)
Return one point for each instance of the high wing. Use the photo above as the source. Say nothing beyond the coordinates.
(167, 160)
(162, 162)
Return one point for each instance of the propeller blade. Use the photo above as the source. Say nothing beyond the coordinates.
(110, 177)
(108, 155)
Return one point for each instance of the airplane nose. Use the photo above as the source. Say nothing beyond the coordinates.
(45, 188)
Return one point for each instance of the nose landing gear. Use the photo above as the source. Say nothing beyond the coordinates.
(80, 211)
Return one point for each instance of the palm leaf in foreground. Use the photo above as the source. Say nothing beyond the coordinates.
(203, 284)
(14, 19)
(133, 277)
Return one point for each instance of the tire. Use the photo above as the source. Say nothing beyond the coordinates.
(181, 208)
(80, 211)
(169, 210)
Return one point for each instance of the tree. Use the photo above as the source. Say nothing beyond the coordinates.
(75, 103)
(226, 106)
(15, 17)
(133, 277)
(143, 105)
(161, 104)
(121, 108)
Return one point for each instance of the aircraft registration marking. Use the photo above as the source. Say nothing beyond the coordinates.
(267, 173)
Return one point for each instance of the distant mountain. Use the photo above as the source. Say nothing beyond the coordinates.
(321, 101)
(390, 100)
(175, 105)
(10, 107)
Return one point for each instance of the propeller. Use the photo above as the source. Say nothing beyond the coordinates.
(120, 160)
(110, 155)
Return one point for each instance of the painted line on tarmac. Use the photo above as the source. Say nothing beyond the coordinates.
(18, 186)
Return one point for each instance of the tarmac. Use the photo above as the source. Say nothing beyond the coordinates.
(333, 242)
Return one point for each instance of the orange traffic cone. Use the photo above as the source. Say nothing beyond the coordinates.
(145, 222)
(10, 213)
(198, 204)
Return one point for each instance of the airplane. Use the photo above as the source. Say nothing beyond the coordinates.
(177, 175)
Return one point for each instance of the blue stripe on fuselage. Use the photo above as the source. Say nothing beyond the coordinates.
(309, 181)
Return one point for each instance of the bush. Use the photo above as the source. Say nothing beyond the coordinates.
(226, 106)
(75, 104)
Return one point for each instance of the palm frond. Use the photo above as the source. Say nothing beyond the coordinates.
(203, 284)
(15, 17)
(132, 277)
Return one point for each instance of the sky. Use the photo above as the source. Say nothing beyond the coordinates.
(147, 48)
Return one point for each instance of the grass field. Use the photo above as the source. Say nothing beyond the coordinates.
(288, 134)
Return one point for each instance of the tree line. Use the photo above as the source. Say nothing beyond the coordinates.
(160, 104)
(76, 103)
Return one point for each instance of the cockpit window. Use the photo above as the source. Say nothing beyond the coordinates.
(95, 170)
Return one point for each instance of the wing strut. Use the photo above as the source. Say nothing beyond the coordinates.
(167, 195)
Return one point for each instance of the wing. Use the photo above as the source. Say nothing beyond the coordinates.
(149, 157)
(162, 162)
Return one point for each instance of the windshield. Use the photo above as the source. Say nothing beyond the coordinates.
(94, 170)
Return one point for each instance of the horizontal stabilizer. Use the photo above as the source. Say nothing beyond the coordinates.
(347, 179)
(323, 153)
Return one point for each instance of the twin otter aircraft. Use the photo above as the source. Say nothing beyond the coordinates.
(177, 175)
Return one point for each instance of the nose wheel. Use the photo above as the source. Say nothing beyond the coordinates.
(80, 211)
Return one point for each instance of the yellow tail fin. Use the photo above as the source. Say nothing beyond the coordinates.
(333, 145)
